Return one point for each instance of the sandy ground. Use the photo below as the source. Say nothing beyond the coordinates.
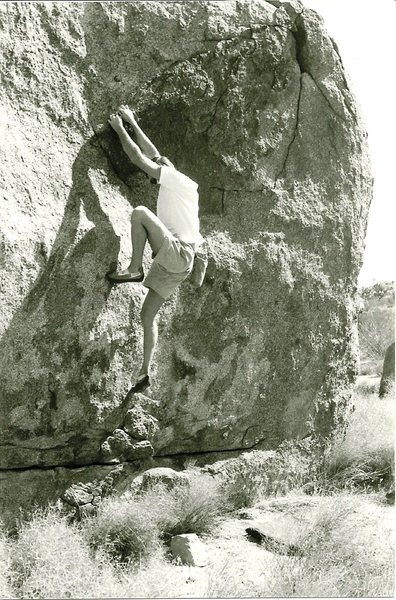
(235, 562)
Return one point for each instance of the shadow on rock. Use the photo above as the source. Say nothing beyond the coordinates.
(49, 352)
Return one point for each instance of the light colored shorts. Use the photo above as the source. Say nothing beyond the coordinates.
(171, 265)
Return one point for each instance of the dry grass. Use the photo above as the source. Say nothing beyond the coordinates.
(132, 527)
(365, 457)
(125, 529)
(51, 559)
(346, 552)
(121, 552)
(5, 570)
(194, 508)
(367, 386)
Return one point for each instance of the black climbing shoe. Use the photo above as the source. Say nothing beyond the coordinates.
(142, 383)
(125, 276)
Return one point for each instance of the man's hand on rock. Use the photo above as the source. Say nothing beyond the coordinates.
(127, 114)
(116, 122)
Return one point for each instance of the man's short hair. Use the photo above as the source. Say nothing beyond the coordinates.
(161, 161)
(164, 161)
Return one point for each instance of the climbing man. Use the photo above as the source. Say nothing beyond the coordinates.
(173, 233)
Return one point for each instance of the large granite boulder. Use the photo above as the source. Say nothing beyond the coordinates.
(250, 99)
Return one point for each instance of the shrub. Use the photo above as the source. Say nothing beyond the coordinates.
(50, 559)
(5, 571)
(365, 456)
(193, 508)
(376, 323)
(368, 387)
(343, 553)
(132, 527)
(125, 528)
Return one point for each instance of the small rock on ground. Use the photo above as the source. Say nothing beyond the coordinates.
(189, 549)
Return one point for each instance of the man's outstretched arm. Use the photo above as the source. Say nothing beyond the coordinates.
(132, 150)
(143, 141)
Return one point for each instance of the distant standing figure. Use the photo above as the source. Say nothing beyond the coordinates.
(173, 233)
(388, 371)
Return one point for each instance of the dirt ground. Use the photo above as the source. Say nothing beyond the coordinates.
(236, 563)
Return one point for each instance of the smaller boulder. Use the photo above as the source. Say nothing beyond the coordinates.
(117, 444)
(189, 549)
(388, 371)
(78, 494)
(140, 450)
(168, 477)
(120, 446)
(139, 424)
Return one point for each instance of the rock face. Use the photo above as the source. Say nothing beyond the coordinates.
(249, 98)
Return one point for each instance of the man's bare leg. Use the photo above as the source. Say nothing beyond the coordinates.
(145, 225)
(150, 308)
(148, 314)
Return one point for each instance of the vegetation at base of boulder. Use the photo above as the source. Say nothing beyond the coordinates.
(5, 571)
(362, 459)
(376, 325)
(133, 526)
(256, 474)
(120, 552)
(51, 559)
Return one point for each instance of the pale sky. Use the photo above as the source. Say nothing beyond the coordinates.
(365, 34)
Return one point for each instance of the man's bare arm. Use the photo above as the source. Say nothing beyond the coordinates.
(143, 141)
(132, 150)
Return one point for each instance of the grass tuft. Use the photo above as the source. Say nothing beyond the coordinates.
(124, 528)
(194, 508)
(51, 559)
(364, 458)
(132, 527)
(341, 554)
(5, 567)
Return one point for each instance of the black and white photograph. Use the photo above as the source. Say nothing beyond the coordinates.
(197, 325)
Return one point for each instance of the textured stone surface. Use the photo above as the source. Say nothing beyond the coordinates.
(168, 477)
(36, 487)
(248, 98)
(120, 446)
(189, 549)
(388, 371)
(139, 424)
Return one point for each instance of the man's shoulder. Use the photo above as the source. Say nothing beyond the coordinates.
(172, 177)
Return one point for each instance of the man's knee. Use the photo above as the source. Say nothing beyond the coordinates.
(140, 213)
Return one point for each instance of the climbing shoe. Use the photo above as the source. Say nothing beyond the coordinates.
(125, 276)
(142, 383)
